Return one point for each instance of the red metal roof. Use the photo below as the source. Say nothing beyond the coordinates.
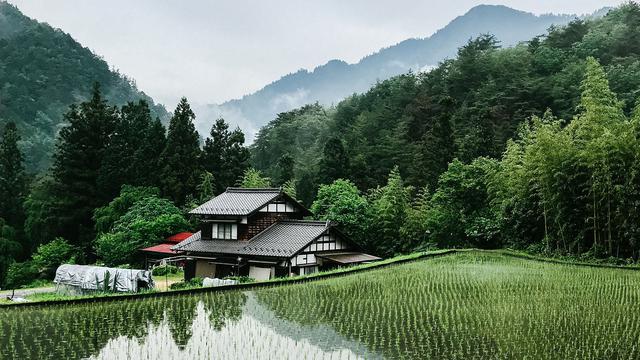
(178, 237)
(162, 249)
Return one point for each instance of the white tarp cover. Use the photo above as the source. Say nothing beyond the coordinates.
(87, 277)
(209, 282)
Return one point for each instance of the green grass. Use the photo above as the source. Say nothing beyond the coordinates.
(476, 305)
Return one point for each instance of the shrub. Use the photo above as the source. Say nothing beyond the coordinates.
(165, 270)
(21, 274)
(49, 256)
(241, 279)
(196, 282)
(146, 223)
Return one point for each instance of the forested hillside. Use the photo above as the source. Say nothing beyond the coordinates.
(335, 80)
(42, 71)
(559, 187)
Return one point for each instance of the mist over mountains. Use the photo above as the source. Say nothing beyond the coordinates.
(335, 80)
(43, 70)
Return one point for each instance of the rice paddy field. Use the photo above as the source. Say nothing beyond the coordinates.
(471, 305)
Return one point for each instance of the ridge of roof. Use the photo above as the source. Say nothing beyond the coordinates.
(324, 223)
(251, 190)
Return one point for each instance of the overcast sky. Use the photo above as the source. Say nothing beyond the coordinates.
(212, 51)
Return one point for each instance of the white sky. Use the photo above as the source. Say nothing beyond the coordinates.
(212, 51)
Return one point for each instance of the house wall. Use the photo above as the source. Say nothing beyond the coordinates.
(205, 269)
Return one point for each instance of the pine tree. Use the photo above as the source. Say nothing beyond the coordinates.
(225, 155)
(148, 158)
(134, 150)
(284, 169)
(12, 178)
(80, 153)
(181, 156)
(334, 163)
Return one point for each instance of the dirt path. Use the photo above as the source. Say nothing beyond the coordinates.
(26, 292)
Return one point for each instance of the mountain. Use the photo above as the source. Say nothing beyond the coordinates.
(44, 70)
(337, 79)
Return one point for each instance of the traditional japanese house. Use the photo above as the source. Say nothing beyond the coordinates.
(261, 233)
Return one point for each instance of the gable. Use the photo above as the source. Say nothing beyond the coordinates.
(330, 240)
(281, 205)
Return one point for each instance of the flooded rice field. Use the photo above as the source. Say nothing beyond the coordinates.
(464, 306)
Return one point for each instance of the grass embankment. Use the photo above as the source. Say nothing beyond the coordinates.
(55, 298)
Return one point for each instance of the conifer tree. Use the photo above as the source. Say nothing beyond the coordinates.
(79, 157)
(225, 155)
(181, 156)
(334, 163)
(12, 178)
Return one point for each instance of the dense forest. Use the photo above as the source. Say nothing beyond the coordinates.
(445, 131)
(534, 147)
(119, 181)
(43, 71)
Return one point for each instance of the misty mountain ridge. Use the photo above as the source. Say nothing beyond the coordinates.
(43, 71)
(337, 79)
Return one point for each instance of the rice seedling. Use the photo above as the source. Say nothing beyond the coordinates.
(474, 305)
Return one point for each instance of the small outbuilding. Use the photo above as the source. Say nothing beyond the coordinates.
(154, 255)
(83, 279)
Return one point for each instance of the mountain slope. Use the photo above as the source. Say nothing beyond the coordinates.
(335, 80)
(42, 71)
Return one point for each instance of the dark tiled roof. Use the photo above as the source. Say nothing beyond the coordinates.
(237, 201)
(282, 239)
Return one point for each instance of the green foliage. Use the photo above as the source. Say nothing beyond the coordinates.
(575, 185)
(241, 279)
(342, 202)
(46, 70)
(180, 159)
(79, 156)
(49, 256)
(206, 188)
(149, 221)
(133, 154)
(13, 185)
(459, 214)
(20, 274)
(389, 205)
(195, 282)
(163, 270)
(334, 163)
(105, 217)
(468, 106)
(9, 249)
(289, 188)
(225, 155)
(253, 178)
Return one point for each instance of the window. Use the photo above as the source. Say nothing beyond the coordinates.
(225, 231)
(308, 270)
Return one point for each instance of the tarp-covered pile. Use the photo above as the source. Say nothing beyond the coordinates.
(86, 278)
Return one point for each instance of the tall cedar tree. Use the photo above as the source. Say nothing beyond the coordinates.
(224, 155)
(181, 156)
(284, 169)
(12, 178)
(133, 154)
(79, 157)
(334, 164)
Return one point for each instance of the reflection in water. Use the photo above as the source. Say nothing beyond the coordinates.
(228, 325)
(246, 338)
